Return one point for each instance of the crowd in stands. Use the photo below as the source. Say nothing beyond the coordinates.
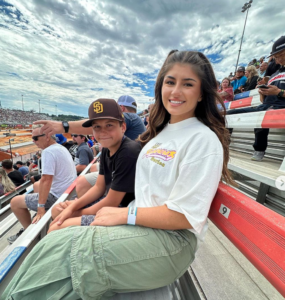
(271, 92)
(145, 178)
(12, 116)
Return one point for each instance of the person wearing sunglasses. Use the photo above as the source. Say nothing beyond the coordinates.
(84, 154)
(58, 172)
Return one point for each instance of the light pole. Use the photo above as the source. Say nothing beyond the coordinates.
(22, 103)
(246, 8)
(11, 148)
(39, 106)
(56, 110)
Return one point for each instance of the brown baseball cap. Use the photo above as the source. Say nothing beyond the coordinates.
(104, 109)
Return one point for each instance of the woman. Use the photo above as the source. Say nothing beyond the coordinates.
(185, 154)
(6, 184)
(226, 91)
(252, 76)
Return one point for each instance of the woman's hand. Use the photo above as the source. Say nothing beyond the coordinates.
(111, 216)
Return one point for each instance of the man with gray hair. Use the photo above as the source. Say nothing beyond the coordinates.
(58, 172)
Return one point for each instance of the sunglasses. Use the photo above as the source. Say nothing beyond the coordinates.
(76, 135)
(36, 137)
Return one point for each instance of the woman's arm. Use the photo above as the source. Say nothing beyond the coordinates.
(159, 217)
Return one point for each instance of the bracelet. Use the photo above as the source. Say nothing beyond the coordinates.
(132, 215)
(41, 205)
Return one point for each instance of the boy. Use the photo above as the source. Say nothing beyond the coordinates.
(116, 180)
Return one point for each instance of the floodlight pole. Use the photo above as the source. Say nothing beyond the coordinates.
(39, 106)
(246, 8)
(22, 103)
(10, 149)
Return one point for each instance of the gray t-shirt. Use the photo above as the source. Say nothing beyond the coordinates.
(84, 155)
(57, 161)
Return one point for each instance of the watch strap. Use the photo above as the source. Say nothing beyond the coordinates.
(41, 205)
(281, 93)
(65, 126)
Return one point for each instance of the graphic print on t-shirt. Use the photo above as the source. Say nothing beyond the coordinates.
(157, 154)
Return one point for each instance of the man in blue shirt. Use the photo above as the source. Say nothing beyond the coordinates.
(239, 80)
(22, 169)
(134, 123)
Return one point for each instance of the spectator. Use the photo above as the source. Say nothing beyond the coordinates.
(273, 67)
(174, 190)
(58, 173)
(145, 114)
(115, 183)
(252, 76)
(262, 69)
(84, 154)
(261, 60)
(35, 167)
(255, 63)
(218, 84)
(271, 98)
(226, 91)
(134, 123)
(149, 111)
(6, 184)
(24, 170)
(90, 142)
(69, 145)
(239, 80)
(231, 75)
(16, 177)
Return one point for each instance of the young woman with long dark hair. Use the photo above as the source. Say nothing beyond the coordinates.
(184, 156)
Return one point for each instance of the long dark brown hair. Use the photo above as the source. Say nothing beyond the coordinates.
(206, 111)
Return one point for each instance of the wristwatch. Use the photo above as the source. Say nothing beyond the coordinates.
(280, 94)
(41, 205)
(65, 126)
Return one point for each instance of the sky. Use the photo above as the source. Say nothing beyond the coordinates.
(69, 53)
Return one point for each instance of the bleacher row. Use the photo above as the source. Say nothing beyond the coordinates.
(13, 116)
(257, 231)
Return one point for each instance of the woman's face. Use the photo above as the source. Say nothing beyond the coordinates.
(225, 83)
(181, 92)
(246, 73)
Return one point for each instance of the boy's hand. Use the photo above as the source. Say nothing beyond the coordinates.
(111, 216)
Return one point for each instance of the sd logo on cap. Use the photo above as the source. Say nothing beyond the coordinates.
(104, 109)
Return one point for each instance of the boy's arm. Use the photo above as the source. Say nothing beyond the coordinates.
(113, 199)
(94, 193)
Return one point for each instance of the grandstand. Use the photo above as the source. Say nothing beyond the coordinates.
(241, 259)
(14, 117)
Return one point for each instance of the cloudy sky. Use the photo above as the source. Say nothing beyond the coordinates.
(69, 53)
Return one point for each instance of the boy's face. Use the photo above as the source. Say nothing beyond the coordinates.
(108, 132)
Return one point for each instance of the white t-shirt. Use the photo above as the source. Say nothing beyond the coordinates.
(57, 161)
(181, 167)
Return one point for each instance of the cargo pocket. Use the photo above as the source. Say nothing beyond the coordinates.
(125, 232)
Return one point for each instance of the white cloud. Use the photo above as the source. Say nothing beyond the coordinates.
(70, 53)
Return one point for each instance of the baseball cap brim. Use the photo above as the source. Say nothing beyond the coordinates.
(89, 122)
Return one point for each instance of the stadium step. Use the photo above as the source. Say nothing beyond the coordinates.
(224, 272)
